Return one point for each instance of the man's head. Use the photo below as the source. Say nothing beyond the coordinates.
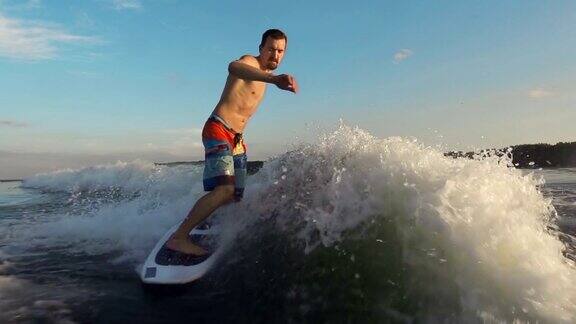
(272, 48)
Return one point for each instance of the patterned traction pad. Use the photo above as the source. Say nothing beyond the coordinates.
(167, 256)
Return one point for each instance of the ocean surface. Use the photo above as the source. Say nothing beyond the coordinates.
(348, 229)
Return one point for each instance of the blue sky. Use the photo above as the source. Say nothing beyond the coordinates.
(86, 82)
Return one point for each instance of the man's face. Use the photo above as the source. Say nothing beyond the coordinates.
(272, 52)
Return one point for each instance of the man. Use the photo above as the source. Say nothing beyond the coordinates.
(225, 152)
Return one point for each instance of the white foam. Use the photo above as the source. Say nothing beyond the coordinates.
(133, 176)
(156, 197)
(487, 223)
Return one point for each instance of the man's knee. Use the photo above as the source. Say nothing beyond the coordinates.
(225, 191)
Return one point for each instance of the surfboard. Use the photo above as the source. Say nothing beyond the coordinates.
(165, 266)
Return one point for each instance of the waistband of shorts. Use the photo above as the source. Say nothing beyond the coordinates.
(220, 120)
(238, 137)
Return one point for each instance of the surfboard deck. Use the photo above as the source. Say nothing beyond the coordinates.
(165, 266)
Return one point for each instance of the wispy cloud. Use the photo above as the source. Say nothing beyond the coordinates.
(402, 54)
(12, 124)
(539, 93)
(32, 40)
(84, 74)
(33, 4)
(180, 141)
(22, 5)
(183, 131)
(83, 20)
(176, 79)
(126, 4)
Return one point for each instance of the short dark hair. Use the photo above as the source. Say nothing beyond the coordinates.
(274, 33)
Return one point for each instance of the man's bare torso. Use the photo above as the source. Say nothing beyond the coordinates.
(240, 98)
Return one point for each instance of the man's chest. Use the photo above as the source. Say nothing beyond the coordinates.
(254, 92)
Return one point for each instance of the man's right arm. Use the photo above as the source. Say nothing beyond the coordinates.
(247, 68)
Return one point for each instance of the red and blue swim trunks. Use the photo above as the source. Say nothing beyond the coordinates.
(225, 156)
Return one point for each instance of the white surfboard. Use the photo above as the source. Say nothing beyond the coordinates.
(164, 266)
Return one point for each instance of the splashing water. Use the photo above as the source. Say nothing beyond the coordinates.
(386, 227)
(475, 229)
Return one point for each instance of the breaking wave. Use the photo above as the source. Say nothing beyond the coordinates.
(352, 224)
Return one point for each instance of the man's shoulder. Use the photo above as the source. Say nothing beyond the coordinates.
(248, 59)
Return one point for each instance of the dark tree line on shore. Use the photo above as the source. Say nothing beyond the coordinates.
(560, 155)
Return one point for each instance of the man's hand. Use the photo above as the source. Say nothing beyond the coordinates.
(285, 82)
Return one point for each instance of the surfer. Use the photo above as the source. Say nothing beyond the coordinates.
(225, 151)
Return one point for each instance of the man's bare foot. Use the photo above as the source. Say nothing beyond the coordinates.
(185, 246)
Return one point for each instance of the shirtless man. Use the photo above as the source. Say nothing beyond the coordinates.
(225, 152)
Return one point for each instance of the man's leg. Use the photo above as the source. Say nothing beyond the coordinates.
(203, 208)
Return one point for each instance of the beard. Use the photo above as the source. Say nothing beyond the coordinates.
(271, 65)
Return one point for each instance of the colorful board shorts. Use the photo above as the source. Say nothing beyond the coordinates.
(225, 156)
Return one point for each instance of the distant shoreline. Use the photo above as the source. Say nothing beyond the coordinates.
(531, 156)
(253, 166)
(525, 156)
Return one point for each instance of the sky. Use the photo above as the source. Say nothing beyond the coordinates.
(97, 81)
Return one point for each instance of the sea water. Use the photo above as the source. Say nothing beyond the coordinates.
(349, 228)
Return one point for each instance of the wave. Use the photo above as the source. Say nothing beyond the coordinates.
(384, 228)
